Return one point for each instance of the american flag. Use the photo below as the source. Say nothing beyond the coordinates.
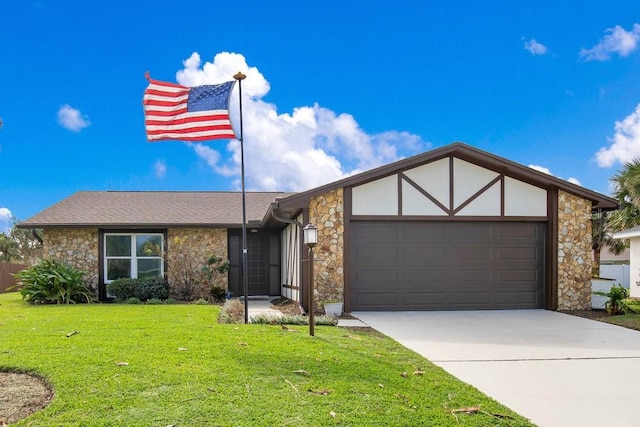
(199, 113)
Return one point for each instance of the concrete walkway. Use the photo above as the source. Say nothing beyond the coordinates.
(259, 305)
(553, 368)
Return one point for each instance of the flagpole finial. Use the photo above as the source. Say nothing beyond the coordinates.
(239, 76)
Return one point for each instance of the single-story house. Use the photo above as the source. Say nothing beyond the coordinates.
(454, 228)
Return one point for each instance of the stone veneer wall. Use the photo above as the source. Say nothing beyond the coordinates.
(76, 246)
(574, 252)
(327, 213)
(200, 244)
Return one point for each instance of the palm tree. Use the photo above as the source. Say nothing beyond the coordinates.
(627, 191)
(601, 238)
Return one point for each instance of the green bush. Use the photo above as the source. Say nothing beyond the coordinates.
(143, 289)
(53, 281)
(152, 287)
(219, 294)
(201, 301)
(122, 289)
(632, 305)
(154, 301)
(132, 300)
(616, 296)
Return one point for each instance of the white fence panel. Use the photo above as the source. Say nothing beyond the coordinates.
(620, 273)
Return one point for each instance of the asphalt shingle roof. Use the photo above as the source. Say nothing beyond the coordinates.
(154, 208)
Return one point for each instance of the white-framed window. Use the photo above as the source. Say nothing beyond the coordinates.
(134, 255)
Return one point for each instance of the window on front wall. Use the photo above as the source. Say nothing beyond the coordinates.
(133, 255)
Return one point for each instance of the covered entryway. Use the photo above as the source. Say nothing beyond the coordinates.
(263, 267)
(446, 265)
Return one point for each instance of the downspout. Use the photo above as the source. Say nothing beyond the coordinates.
(275, 216)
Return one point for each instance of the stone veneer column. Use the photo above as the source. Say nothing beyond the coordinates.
(76, 246)
(327, 213)
(574, 252)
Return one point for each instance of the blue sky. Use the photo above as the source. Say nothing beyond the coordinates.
(333, 88)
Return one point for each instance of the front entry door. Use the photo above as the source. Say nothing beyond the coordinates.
(263, 262)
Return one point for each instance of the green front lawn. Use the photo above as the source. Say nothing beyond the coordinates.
(160, 365)
(631, 321)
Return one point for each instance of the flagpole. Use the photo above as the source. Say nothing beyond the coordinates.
(245, 271)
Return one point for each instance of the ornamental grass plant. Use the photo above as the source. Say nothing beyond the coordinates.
(160, 365)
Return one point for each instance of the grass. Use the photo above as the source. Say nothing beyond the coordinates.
(185, 369)
(631, 321)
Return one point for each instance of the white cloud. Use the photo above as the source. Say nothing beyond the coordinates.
(625, 144)
(541, 169)
(295, 151)
(71, 119)
(617, 40)
(574, 181)
(534, 47)
(5, 220)
(160, 169)
(548, 172)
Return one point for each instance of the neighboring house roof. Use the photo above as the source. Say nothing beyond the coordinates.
(606, 255)
(120, 209)
(628, 233)
(290, 205)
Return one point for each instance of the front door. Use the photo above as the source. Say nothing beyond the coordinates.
(263, 262)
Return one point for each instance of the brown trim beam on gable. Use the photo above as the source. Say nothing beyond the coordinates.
(424, 193)
(551, 279)
(476, 195)
(400, 194)
(463, 152)
(346, 239)
(447, 218)
(502, 203)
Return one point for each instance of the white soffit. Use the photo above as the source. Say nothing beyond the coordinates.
(433, 178)
(522, 199)
(416, 203)
(378, 197)
(468, 179)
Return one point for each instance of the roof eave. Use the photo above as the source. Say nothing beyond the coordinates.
(467, 153)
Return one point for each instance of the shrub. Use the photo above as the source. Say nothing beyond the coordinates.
(154, 301)
(631, 305)
(142, 289)
(201, 301)
(287, 319)
(132, 300)
(219, 294)
(616, 296)
(170, 301)
(152, 287)
(122, 289)
(192, 275)
(232, 312)
(53, 281)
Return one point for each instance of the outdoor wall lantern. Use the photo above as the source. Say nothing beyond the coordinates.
(310, 232)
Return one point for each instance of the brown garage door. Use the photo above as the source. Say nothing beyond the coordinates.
(446, 265)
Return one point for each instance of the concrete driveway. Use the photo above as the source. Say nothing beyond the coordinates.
(553, 368)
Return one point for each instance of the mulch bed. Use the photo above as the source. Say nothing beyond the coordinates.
(587, 314)
(22, 394)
